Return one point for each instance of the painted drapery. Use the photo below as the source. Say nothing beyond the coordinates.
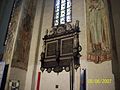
(98, 39)
(22, 45)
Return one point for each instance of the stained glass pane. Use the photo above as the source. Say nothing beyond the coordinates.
(69, 18)
(68, 4)
(57, 10)
(62, 13)
(56, 15)
(63, 1)
(57, 2)
(68, 11)
(63, 6)
(62, 20)
(57, 7)
(56, 22)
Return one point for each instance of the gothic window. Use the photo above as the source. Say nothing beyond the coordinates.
(62, 12)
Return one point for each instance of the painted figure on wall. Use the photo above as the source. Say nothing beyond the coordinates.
(12, 29)
(98, 31)
(22, 45)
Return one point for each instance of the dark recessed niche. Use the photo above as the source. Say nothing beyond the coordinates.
(56, 86)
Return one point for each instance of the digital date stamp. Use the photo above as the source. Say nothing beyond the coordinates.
(100, 81)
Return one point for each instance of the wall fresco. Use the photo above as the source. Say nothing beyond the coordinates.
(22, 46)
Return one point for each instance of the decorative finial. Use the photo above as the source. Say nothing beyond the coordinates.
(68, 26)
(77, 23)
(46, 32)
(73, 26)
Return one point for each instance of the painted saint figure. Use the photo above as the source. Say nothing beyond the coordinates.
(98, 31)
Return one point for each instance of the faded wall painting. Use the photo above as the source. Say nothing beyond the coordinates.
(22, 45)
(13, 23)
(98, 38)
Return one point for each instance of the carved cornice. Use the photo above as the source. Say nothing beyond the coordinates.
(62, 30)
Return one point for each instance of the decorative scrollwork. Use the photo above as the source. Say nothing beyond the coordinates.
(60, 29)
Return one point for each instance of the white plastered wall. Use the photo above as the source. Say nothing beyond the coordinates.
(31, 73)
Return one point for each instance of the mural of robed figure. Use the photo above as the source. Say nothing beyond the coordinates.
(98, 39)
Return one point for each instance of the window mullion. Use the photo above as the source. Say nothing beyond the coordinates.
(59, 12)
(65, 11)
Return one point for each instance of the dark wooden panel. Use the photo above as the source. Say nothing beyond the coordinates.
(67, 46)
(51, 49)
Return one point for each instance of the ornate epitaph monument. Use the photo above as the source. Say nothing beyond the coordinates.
(61, 50)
